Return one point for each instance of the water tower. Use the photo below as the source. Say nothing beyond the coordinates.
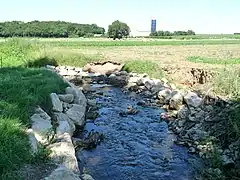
(153, 25)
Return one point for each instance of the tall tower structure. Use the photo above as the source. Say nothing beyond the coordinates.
(153, 25)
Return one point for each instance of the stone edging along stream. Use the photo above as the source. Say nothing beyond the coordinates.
(190, 116)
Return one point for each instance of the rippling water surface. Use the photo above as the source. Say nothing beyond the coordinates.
(136, 147)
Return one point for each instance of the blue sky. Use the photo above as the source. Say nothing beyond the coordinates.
(202, 16)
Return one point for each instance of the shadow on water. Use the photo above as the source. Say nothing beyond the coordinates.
(136, 147)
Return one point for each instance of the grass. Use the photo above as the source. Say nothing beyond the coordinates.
(227, 82)
(21, 90)
(60, 56)
(107, 43)
(207, 60)
(16, 52)
(141, 66)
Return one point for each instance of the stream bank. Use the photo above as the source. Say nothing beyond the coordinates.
(188, 114)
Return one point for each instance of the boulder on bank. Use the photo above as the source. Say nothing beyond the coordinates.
(77, 114)
(63, 152)
(176, 100)
(79, 97)
(192, 99)
(67, 98)
(104, 68)
(41, 126)
(164, 94)
(56, 103)
(64, 124)
(32, 140)
(62, 173)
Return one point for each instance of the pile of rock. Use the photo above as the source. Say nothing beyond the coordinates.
(55, 131)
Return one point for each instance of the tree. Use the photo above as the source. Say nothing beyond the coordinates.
(190, 32)
(48, 29)
(118, 30)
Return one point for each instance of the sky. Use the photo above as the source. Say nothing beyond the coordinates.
(201, 16)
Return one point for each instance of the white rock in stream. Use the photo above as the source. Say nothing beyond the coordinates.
(56, 103)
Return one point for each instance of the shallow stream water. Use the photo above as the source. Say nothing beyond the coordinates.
(135, 147)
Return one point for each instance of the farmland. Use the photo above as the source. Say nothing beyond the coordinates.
(139, 55)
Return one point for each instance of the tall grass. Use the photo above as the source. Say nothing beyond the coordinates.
(207, 60)
(21, 90)
(141, 66)
(17, 52)
(227, 82)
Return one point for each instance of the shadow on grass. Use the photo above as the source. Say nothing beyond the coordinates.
(41, 62)
(21, 90)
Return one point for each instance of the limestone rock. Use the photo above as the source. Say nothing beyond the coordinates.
(62, 173)
(68, 98)
(149, 84)
(56, 103)
(32, 140)
(133, 79)
(77, 114)
(79, 97)
(63, 152)
(192, 99)
(63, 72)
(176, 100)
(41, 125)
(103, 67)
(164, 94)
(64, 124)
(72, 72)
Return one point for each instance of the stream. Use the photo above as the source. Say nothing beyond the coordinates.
(135, 147)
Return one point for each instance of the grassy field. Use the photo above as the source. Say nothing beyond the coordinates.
(207, 60)
(140, 42)
(21, 90)
(24, 85)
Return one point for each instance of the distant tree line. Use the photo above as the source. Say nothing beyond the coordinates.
(175, 33)
(48, 29)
